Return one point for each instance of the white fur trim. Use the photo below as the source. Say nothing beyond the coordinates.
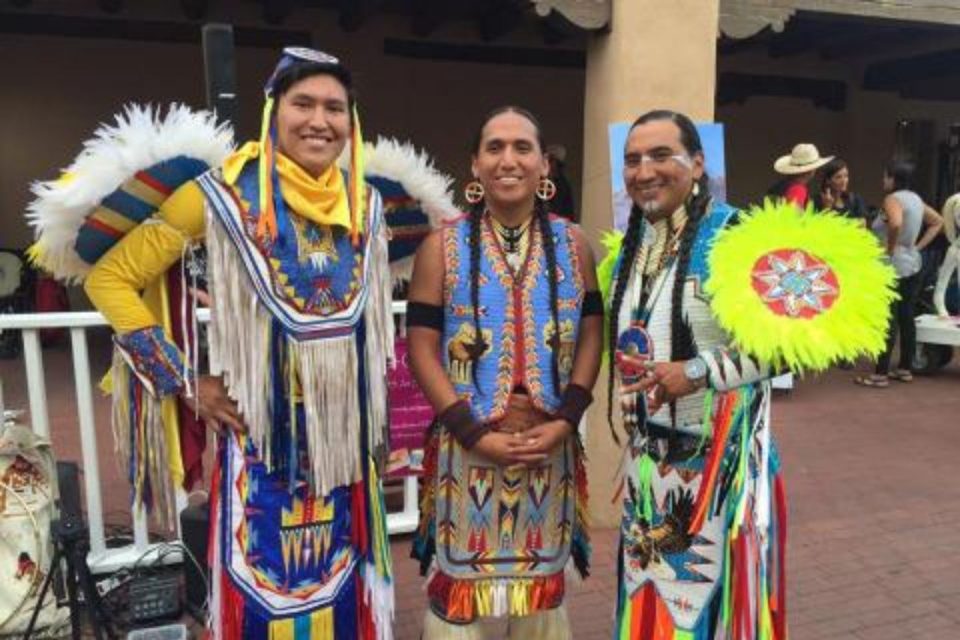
(400, 161)
(380, 331)
(415, 171)
(140, 138)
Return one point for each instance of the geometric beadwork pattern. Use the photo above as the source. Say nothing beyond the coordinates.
(492, 521)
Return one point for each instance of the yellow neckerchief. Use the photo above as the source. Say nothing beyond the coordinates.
(322, 200)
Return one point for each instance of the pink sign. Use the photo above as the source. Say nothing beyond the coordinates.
(410, 415)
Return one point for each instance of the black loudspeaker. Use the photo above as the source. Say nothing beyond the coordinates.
(220, 72)
(194, 527)
(68, 485)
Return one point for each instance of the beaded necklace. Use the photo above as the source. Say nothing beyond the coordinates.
(650, 273)
(513, 240)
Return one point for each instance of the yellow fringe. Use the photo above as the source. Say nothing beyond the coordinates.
(282, 629)
(519, 598)
(321, 623)
(357, 180)
(515, 593)
(381, 545)
(267, 224)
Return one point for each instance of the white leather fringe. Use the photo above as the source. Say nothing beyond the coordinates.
(151, 460)
(327, 369)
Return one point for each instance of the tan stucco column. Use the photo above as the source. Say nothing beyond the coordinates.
(659, 54)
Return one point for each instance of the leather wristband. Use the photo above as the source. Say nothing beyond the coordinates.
(573, 404)
(459, 421)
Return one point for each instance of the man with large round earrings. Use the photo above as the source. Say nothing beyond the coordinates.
(505, 325)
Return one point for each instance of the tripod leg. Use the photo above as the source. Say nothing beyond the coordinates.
(98, 616)
(54, 563)
(76, 624)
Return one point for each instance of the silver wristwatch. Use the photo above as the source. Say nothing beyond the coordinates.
(696, 370)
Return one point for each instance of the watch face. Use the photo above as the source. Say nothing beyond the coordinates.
(695, 369)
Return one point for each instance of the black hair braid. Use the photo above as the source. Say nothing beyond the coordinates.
(476, 219)
(628, 253)
(682, 343)
(550, 251)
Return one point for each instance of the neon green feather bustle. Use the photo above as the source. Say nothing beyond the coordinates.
(612, 241)
(843, 315)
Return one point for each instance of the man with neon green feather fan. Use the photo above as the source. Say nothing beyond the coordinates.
(705, 305)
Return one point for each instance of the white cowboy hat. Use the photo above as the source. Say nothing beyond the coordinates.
(804, 157)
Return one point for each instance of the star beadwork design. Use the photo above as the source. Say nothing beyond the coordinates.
(794, 283)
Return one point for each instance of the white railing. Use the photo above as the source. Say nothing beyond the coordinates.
(407, 519)
(101, 559)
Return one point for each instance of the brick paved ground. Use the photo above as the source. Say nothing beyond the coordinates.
(874, 541)
(874, 531)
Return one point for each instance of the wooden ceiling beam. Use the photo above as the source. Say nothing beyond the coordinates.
(727, 46)
(932, 89)
(802, 37)
(872, 41)
(892, 74)
(485, 54)
(734, 87)
(100, 28)
(928, 12)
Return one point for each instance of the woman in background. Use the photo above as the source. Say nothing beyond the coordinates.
(835, 194)
(898, 226)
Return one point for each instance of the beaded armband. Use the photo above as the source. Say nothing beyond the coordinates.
(156, 361)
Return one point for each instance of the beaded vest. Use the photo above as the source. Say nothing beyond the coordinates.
(517, 331)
